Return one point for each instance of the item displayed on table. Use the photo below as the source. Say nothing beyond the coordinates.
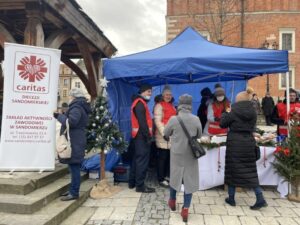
(266, 137)
(218, 139)
(204, 139)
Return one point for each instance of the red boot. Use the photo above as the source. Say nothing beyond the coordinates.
(185, 214)
(172, 204)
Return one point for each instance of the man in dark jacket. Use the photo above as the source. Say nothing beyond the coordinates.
(141, 123)
(77, 116)
(267, 107)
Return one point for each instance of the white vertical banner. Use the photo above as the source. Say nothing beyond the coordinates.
(30, 97)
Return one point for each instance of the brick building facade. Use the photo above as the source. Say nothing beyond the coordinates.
(273, 24)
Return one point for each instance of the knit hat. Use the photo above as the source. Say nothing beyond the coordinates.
(244, 95)
(185, 102)
(185, 99)
(167, 88)
(144, 87)
(76, 93)
(219, 91)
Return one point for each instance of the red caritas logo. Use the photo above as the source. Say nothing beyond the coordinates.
(32, 69)
(32, 73)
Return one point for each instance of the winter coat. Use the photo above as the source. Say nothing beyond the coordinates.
(77, 116)
(159, 133)
(184, 166)
(240, 161)
(267, 105)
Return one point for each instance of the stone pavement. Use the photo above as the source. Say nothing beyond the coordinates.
(208, 208)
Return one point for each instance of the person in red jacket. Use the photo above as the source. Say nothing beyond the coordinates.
(163, 111)
(280, 116)
(215, 109)
(141, 124)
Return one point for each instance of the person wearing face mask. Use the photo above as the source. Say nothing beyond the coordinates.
(280, 115)
(141, 123)
(214, 111)
(163, 111)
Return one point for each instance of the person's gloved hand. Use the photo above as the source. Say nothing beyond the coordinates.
(55, 114)
(166, 138)
(217, 119)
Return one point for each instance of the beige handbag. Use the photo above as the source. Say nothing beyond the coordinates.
(63, 144)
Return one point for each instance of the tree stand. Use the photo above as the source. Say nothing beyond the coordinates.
(294, 194)
(103, 189)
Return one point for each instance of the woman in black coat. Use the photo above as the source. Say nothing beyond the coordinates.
(77, 116)
(240, 161)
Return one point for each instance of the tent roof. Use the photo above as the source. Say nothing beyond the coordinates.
(191, 58)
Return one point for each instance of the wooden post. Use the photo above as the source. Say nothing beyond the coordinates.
(34, 34)
(102, 163)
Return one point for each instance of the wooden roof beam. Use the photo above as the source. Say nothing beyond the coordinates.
(89, 64)
(73, 66)
(56, 39)
(72, 15)
(5, 36)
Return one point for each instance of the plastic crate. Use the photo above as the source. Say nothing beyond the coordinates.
(121, 173)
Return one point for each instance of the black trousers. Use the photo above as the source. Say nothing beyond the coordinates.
(268, 119)
(139, 163)
(163, 164)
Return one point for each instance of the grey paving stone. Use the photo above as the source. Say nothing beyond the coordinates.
(231, 220)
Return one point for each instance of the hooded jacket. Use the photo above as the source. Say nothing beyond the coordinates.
(240, 161)
(77, 115)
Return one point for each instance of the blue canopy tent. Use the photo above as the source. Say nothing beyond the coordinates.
(189, 58)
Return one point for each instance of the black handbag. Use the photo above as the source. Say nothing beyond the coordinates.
(197, 148)
(257, 152)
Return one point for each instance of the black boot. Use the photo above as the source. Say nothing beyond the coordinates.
(260, 202)
(230, 200)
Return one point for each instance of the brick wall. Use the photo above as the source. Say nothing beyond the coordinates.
(263, 19)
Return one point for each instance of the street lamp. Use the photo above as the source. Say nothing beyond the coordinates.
(269, 43)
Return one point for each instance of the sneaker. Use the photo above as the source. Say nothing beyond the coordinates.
(164, 184)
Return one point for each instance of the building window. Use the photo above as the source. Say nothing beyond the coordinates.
(287, 39)
(65, 93)
(65, 82)
(205, 34)
(282, 79)
(77, 84)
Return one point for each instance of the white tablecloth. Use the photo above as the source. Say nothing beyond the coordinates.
(212, 166)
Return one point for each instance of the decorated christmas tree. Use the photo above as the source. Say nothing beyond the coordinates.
(287, 153)
(103, 134)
